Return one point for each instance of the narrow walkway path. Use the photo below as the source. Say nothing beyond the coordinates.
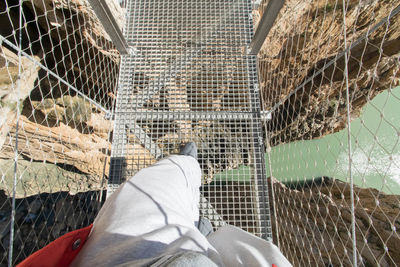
(189, 79)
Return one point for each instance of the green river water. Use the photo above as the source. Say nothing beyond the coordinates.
(375, 151)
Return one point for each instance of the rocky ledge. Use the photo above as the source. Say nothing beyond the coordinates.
(314, 224)
(303, 53)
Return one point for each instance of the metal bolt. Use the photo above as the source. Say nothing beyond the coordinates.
(260, 140)
(248, 50)
(76, 244)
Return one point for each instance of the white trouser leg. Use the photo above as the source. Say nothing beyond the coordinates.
(151, 215)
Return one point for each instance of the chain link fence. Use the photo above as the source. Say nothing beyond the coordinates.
(59, 71)
(329, 81)
(329, 74)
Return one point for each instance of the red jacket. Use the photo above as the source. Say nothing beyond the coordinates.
(60, 252)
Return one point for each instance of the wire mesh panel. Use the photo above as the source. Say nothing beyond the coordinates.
(329, 76)
(188, 79)
(58, 74)
(329, 80)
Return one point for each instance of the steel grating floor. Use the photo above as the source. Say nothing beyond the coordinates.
(189, 79)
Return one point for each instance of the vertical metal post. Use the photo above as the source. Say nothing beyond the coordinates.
(259, 166)
(257, 133)
(120, 139)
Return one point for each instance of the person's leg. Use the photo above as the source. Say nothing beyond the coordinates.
(248, 250)
(151, 215)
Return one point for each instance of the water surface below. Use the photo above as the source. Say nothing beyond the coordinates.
(375, 151)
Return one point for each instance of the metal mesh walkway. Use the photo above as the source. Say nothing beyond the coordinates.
(188, 78)
(328, 73)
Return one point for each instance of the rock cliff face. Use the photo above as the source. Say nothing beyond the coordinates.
(69, 40)
(314, 224)
(9, 81)
(64, 141)
(298, 53)
(56, 124)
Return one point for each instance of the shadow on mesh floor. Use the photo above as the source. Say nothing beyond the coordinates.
(235, 201)
(40, 219)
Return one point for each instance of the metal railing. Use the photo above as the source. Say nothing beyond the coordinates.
(329, 75)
